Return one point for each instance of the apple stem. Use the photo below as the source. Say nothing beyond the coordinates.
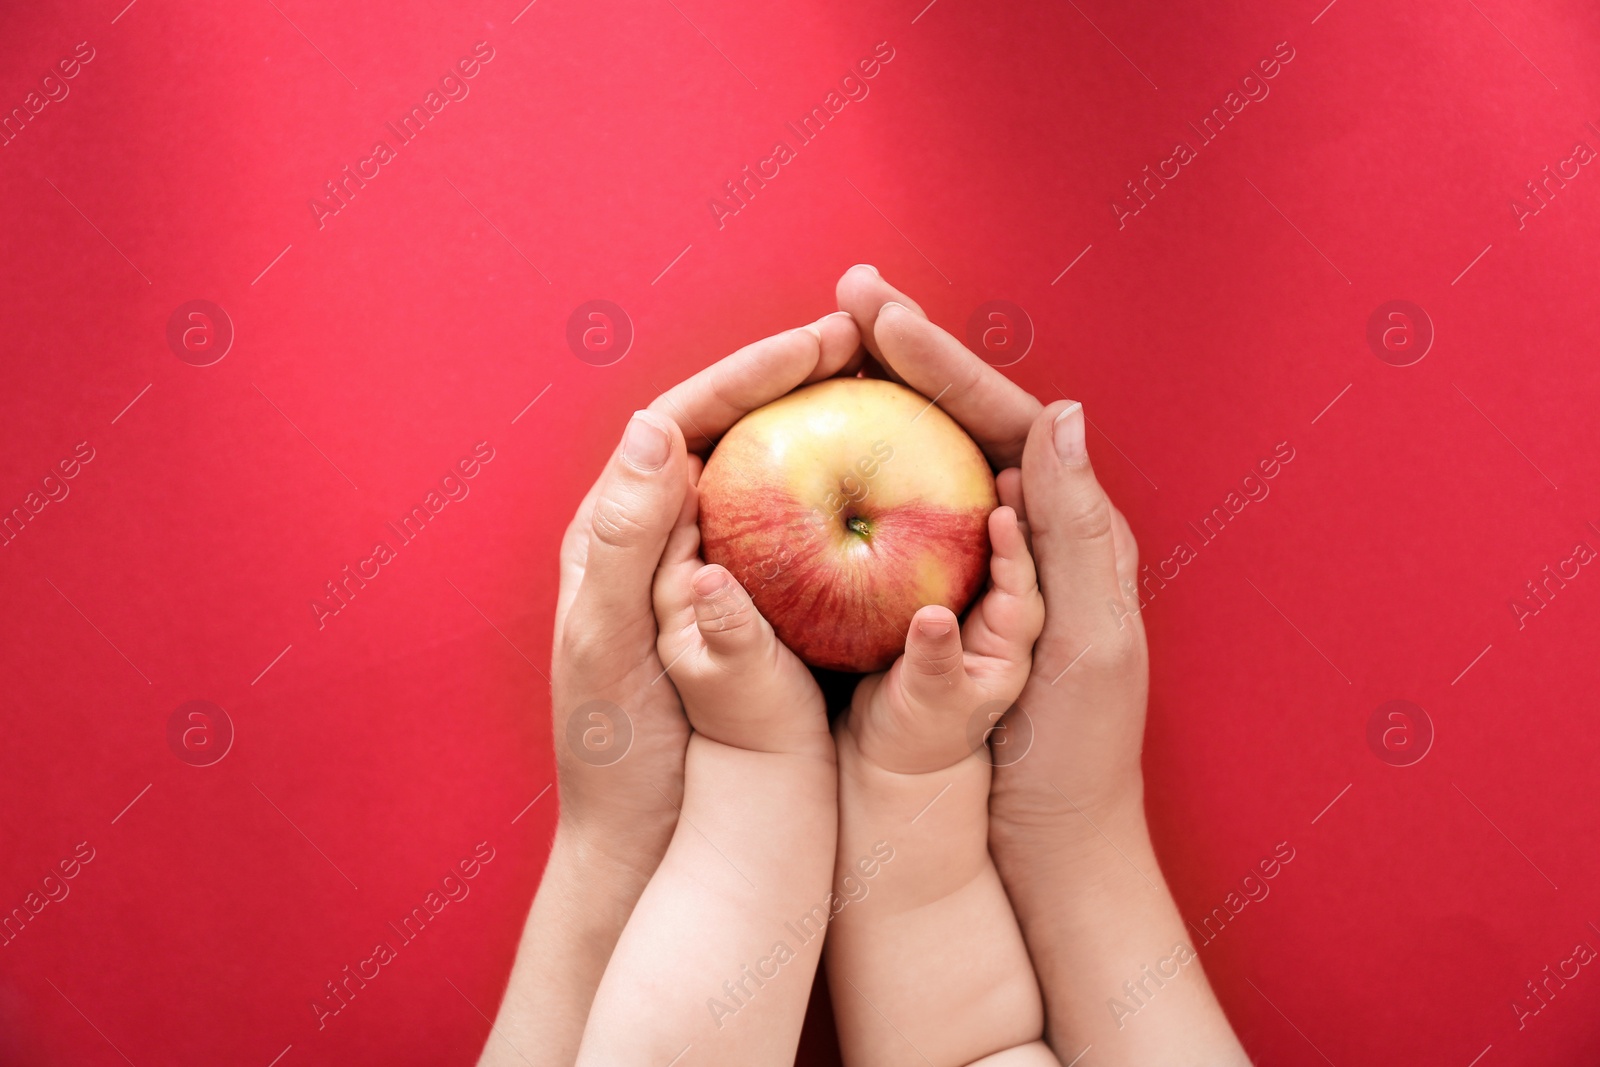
(859, 526)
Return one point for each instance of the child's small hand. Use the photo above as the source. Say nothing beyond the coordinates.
(925, 712)
(740, 685)
(697, 967)
(915, 736)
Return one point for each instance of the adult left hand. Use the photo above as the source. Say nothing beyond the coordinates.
(617, 817)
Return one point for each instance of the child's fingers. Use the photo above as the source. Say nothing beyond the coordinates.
(1008, 485)
(731, 627)
(933, 668)
(1007, 621)
(1010, 563)
(682, 552)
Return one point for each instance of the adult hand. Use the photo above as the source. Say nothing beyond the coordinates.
(609, 695)
(607, 679)
(1067, 827)
(1085, 552)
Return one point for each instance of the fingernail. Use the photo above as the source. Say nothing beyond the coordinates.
(710, 582)
(869, 266)
(935, 627)
(1069, 435)
(645, 444)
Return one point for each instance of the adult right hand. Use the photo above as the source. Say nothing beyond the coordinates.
(1088, 721)
(1067, 826)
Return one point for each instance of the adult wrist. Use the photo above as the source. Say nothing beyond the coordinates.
(1088, 849)
(1035, 815)
(603, 863)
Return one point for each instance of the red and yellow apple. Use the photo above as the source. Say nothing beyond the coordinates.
(844, 507)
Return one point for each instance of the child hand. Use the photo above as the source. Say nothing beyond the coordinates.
(740, 685)
(914, 777)
(707, 961)
(935, 705)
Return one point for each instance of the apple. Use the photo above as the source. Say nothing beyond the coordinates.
(844, 507)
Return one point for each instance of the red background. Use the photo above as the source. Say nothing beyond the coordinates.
(1221, 320)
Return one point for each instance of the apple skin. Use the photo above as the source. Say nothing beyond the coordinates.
(844, 507)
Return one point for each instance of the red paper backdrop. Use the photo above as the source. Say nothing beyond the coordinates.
(376, 347)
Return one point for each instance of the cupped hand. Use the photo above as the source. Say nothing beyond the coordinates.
(620, 731)
(1085, 699)
(933, 707)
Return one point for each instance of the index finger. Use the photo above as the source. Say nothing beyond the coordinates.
(991, 407)
(706, 405)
